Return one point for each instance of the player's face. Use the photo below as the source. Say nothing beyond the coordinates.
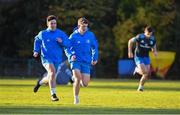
(52, 24)
(83, 27)
(147, 34)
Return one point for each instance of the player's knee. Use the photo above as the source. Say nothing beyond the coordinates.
(51, 75)
(145, 75)
(76, 81)
(77, 78)
(145, 72)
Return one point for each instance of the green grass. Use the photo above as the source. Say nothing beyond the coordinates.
(102, 96)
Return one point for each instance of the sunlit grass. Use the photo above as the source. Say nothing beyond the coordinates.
(102, 96)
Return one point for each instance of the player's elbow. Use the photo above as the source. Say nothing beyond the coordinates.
(130, 41)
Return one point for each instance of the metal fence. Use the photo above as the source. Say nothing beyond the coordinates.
(17, 67)
(20, 67)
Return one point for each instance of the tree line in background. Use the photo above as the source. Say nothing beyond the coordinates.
(114, 22)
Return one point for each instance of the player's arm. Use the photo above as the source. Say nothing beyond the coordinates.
(70, 53)
(94, 50)
(37, 46)
(64, 41)
(130, 45)
(154, 50)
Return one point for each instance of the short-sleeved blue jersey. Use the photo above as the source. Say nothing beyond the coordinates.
(143, 45)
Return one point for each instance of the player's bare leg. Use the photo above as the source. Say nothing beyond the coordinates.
(76, 86)
(85, 80)
(145, 73)
(52, 81)
(137, 72)
(42, 81)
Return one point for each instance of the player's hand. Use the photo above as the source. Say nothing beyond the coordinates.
(35, 54)
(59, 40)
(93, 62)
(130, 55)
(73, 58)
(155, 53)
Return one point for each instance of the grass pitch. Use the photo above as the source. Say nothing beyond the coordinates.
(102, 96)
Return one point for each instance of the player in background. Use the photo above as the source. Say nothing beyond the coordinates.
(145, 42)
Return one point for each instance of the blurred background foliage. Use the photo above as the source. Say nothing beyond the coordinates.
(114, 22)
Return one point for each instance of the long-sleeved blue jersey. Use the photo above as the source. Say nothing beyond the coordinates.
(46, 43)
(84, 47)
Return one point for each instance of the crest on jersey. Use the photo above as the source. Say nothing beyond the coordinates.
(48, 40)
(88, 41)
(142, 41)
(151, 42)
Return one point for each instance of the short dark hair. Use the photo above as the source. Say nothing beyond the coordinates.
(51, 17)
(149, 29)
(82, 20)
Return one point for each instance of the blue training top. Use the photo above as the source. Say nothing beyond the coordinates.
(143, 45)
(46, 43)
(85, 47)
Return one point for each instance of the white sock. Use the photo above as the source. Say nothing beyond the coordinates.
(141, 87)
(44, 80)
(76, 97)
(76, 100)
(41, 82)
(53, 91)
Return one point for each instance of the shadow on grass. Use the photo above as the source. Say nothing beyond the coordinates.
(135, 87)
(105, 87)
(82, 110)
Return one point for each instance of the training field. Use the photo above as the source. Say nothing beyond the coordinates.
(102, 96)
